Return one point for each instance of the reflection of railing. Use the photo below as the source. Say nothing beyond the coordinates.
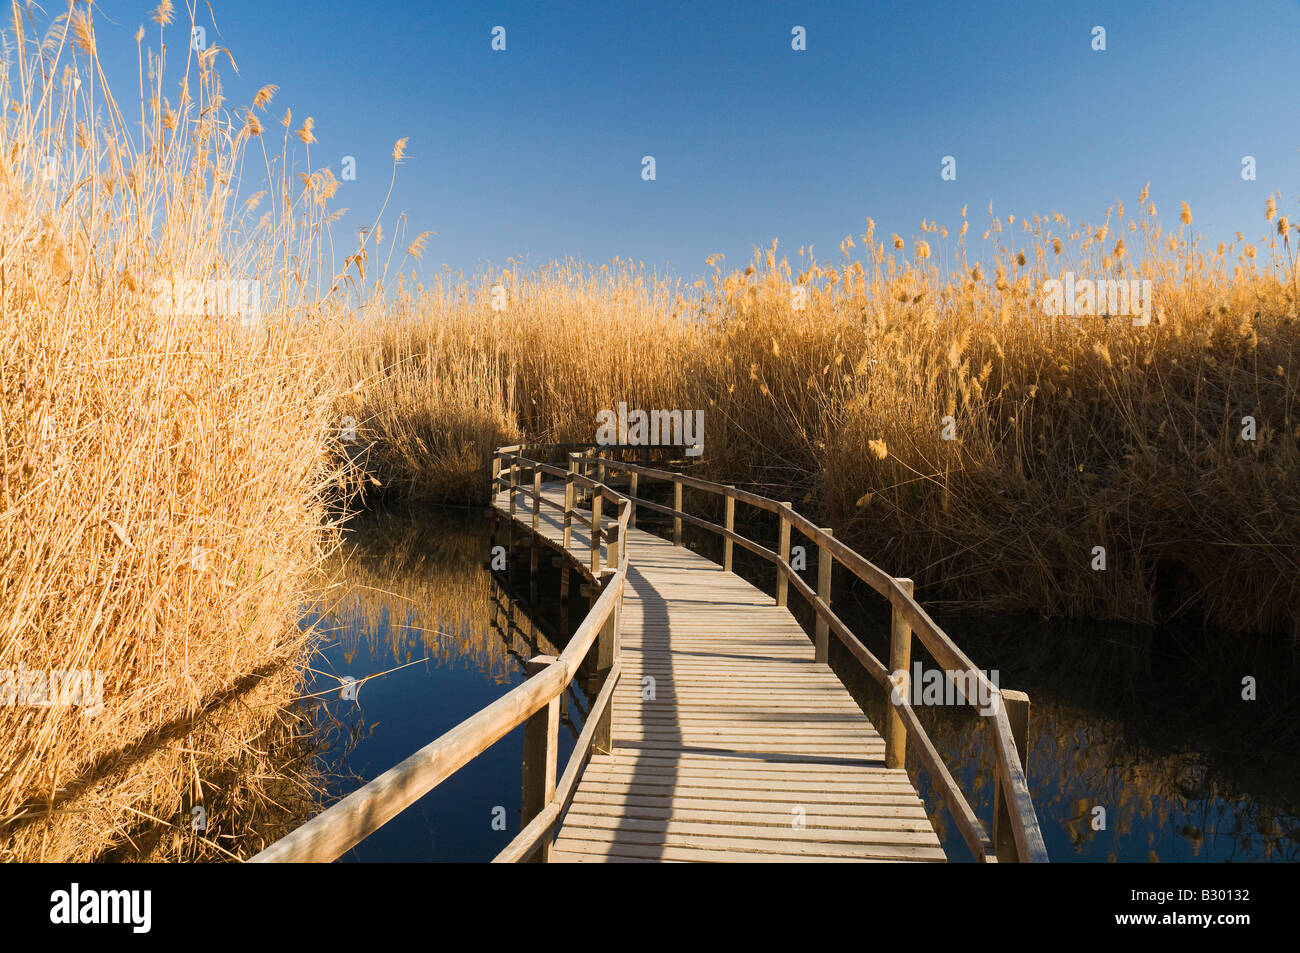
(535, 704)
(1016, 832)
(524, 643)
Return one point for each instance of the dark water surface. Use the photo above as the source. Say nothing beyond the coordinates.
(418, 615)
(1149, 727)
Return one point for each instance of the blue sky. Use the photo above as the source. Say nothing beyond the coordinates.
(536, 151)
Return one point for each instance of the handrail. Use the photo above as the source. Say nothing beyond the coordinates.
(1012, 801)
(534, 704)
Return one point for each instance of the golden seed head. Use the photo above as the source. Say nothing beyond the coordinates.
(264, 96)
(923, 250)
(83, 35)
(163, 15)
(878, 449)
(1187, 215)
(416, 248)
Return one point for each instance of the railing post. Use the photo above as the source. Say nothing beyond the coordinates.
(631, 517)
(900, 661)
(496, 475)
(597, 500)
(783, 550)
(677, 508)
(606, 649)
(730, 523)
(568, 506)
(825, 567)
(1004, 840)
(513, 484)
(541, 749)
(570, 493)
(613, 543)
(537, 496)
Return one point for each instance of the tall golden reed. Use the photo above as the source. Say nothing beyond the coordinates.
(164, 470)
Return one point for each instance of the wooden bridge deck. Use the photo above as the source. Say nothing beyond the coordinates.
(749, 750)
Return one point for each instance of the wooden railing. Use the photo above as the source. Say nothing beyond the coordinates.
(535, 704)
(1016, 834)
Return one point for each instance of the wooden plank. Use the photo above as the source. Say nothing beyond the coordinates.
(579, 838)
(746, 727)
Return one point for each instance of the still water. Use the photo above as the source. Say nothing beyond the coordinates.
(430, 636)
(1141, 748)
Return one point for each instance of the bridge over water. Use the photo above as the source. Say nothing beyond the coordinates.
(717, 731)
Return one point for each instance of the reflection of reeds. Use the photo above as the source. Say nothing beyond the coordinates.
(412, 588)
(1169, 804)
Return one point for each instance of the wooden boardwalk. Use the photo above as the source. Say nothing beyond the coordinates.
(730, 743)
(715, 733)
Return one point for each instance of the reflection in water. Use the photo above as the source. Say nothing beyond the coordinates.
(1121, 767)
(431, 636)
(1183, 769)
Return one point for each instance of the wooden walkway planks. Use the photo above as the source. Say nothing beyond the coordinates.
(748, 750)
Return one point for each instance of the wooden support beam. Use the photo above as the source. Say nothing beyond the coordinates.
(541, 750)
(613, 545)
(730, 523)
(783, 550)
(677, 508)
(603, 741)
(537, 497)
(513, 484)
(900, 663)
(825, 567)
(568, 503)
(596, 500)
(1004, 840)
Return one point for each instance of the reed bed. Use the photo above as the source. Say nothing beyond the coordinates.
(921, 401)
(166, 455)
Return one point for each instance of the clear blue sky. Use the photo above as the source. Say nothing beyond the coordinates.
(536, 151)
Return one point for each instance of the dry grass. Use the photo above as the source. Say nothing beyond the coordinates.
(163, 473)
(1068, 434)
